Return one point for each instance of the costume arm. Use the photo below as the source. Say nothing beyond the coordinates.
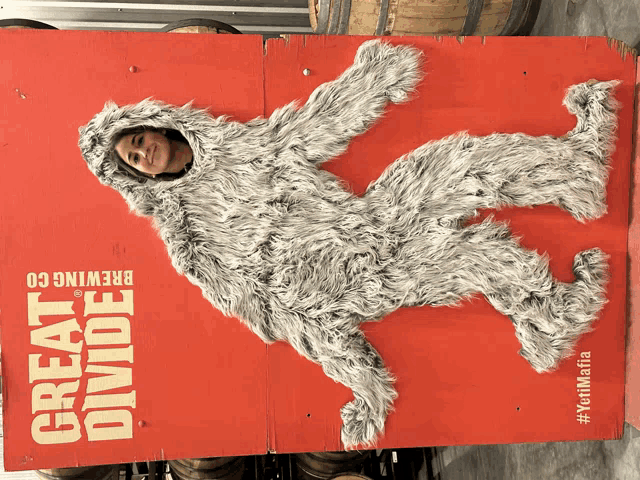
(338, 110)
(338, 345)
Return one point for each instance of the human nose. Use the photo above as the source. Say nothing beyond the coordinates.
(142, 151)
(139, 151)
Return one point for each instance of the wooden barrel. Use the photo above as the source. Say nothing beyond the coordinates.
(217, 468)
(326, 465)
(351, 476)
(199, 25)
(423, 17)
(25, 23)
(101, 472)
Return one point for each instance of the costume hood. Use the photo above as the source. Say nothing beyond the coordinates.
(98, 138)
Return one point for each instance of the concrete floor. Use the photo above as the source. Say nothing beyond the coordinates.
(593, 460)
(589, 460)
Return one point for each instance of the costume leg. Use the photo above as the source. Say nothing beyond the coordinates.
(548, 315)
(451, 178)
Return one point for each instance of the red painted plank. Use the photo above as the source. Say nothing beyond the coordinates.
(460, 379)
(199, 378)
(632, 394)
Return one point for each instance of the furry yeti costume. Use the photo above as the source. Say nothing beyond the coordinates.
(281, 245)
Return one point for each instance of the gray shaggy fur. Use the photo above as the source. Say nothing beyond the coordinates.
(283, 246)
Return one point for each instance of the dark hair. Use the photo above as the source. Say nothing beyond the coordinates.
(132, 172)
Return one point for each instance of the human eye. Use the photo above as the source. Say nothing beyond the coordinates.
(140, 140)
(135, 159)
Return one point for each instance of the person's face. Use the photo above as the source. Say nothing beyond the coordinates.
(148, 151)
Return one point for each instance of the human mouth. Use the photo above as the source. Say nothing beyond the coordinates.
(153, 155)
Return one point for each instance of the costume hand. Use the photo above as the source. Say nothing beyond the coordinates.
(400, 67)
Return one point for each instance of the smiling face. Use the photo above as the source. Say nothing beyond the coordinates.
(148, 151)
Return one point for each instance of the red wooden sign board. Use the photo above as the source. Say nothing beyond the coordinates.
(160, 373)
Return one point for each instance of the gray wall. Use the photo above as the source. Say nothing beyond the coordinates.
(267, 17)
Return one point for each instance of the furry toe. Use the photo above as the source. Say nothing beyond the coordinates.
(537, 347)
(591, 267)
(359, 427)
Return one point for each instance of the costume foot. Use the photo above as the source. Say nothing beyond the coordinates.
(549, 327)
(595, 107)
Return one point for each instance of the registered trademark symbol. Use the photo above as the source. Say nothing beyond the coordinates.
(77, 293)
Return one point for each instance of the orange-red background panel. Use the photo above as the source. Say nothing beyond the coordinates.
(204, 385)
(200, 378)
(460, 379)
